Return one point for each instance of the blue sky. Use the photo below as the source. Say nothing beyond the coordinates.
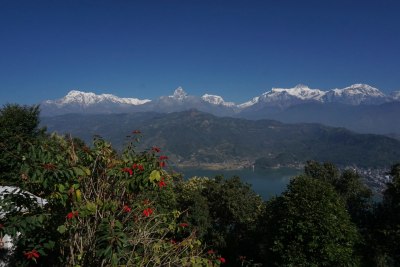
(236, 49)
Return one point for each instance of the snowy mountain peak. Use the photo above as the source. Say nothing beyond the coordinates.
(89, 98)
(276, 98)
(364, 89)
(300, 91)
(356, 94)
(216, 100)
(179, 93)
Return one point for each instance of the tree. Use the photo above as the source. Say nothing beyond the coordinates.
(387, 232)
(349, 186)
(308, 225)
(326, 171)
(225, 213)
(19, 127)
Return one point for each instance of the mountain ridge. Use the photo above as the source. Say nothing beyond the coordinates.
(195, 137)
(355, 94)
(358, 107)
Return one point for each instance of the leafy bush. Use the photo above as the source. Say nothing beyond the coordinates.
(103, 209)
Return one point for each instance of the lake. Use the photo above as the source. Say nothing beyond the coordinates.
(265, 182)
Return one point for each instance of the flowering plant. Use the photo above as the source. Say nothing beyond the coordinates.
(103, 209)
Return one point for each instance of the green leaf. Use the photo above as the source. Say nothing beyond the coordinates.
(91, 207)
(49, 245)
(155, 176)
(61, 188)
(79, 171)
(61, 229)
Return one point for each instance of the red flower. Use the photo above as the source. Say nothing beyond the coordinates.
(156, 149)
(183, 224)
(136, 132)
(71, 215)
(162, 183)
(128, 170)
(140, 167)
(147, 212)
(163, 157)
(162, 164)
(210, 252)
(32, 254)
(222, 260)
(173, 241)
(126, 209)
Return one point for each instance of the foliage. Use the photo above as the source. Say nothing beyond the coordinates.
(348, 184)
(19, 128)
(387, 223)
(103, 209)
(308, 226)
(224, 212)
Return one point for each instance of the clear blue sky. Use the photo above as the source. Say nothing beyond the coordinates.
(236, 49)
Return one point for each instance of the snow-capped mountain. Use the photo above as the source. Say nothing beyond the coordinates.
(299, 91)
(216, 100)
(87, 99)
(356, 94)
(284, 97)
(180, 101)
(275, 100)
(287, 97)
(86, 102)
(179, 94)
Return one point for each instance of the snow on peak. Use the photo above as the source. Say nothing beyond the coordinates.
(356, 94)
(300, 91)
(249, 103)
(359, 89)
(216, 100)
(89, 98)
(285, 96)
(179, 93)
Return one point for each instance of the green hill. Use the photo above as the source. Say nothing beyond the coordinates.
(193, 136)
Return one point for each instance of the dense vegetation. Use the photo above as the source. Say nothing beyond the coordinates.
(128, 209)
(197, 137)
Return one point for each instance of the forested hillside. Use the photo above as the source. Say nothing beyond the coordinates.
(196, 137)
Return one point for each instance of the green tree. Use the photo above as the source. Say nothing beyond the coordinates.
(19, 127)
(225, 212)
(326, 171)
(349, 186)
(308, 225)
(387, 225)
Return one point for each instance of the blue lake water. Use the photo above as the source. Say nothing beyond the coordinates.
(266, 183)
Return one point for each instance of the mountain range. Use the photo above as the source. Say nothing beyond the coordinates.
(77, 101)
(358, 107)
